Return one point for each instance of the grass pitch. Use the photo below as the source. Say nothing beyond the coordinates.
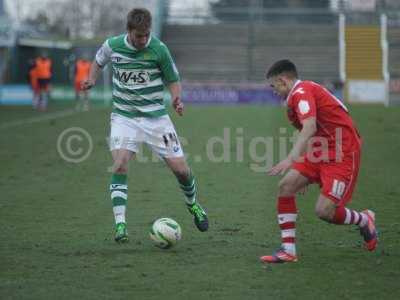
(56, 223)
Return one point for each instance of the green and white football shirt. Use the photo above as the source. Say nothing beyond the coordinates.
(138, 76)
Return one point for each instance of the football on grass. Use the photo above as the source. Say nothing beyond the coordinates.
(165, 233)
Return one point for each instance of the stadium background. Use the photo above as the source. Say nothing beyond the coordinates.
(55, 217)
(333, 42)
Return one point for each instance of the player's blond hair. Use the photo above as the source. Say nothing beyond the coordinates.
(138, 19)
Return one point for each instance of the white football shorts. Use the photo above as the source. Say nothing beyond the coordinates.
(158, 133)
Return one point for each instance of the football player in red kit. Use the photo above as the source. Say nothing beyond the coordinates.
(327, 152)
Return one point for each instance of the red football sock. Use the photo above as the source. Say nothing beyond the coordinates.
(346, 216)
(287, 215)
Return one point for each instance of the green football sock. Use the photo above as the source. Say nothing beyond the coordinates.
(189, 189)
(119, 196)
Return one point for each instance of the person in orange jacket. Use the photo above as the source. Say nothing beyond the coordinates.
(33, 82)
(82, 69)
(44, 73)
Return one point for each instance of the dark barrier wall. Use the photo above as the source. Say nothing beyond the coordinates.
(22, 55)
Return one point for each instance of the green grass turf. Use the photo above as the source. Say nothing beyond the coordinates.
(56, 224)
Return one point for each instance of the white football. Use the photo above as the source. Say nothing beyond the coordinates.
(165, 233)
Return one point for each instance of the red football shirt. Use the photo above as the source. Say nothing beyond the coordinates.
(334, 124)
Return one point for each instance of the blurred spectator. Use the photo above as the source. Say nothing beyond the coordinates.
(44, 73)
(33, 82)
(82, 69)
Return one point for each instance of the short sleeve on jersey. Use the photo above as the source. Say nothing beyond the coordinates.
(304, 105)
(103, 55)
(167, 65)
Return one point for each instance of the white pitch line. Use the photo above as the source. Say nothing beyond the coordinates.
(50, 116)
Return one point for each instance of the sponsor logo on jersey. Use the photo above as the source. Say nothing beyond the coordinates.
(132, 77)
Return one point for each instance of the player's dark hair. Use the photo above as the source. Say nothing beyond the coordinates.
(138, 19)
(280, 67)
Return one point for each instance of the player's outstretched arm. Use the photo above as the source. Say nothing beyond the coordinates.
(308, 130)
(94, 73)
(176, 90)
